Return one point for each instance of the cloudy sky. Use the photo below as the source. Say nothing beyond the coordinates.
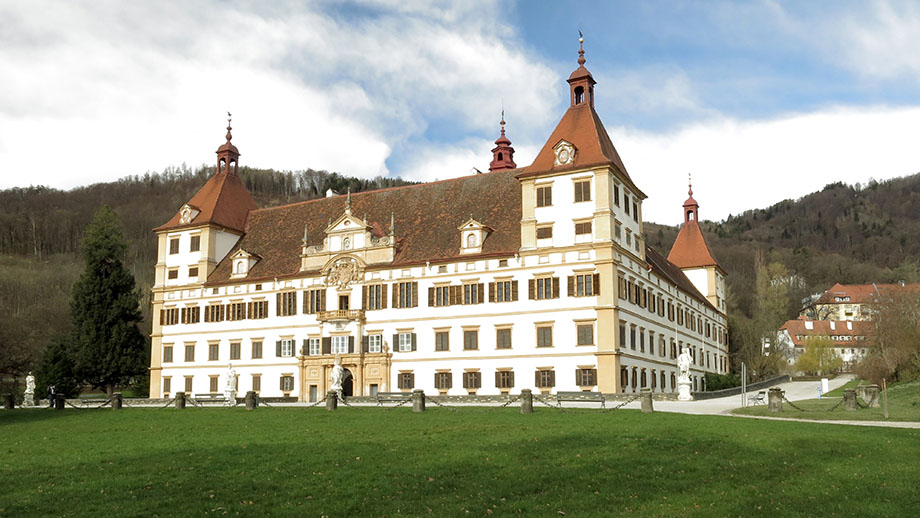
(759, 100)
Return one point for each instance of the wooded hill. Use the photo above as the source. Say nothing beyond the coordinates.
(844, 233)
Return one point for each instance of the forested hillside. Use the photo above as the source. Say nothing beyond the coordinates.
(41, 229)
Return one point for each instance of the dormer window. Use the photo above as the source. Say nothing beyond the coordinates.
(243, 261)
(240, 267)
(472, 235)
(470, 240)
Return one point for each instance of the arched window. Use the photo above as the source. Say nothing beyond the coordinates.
(689, 215)
(239, 266)
(346, 243)
(579, 94)
(471, 240)
(500, 157)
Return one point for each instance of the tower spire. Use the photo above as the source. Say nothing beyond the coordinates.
(691, 207)
(503, 153)
(581, 82)
(228, 155)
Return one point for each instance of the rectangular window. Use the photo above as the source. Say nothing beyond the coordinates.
(167, 354)
(503, 291)
(376, 297)
(442, 341)
(213, 352)
(174, 246)
(504, 379)
(314, 301)
(503, 338)
(313, 346)
(586, 377)
(635, 214)
(470, 340)
(191, 315)
(188, 384)
(374, 343)
(287, 383)
(442, 380)
(193, 272)
(195, 244)
(583, 228)
(442, 295)
(257, 382)
(287, 347)
(340, 345)
(545, 379)
(286, 304)
(584, 285)
(256, 350)
(545, 232)
(343, 301)
(258, 309)
(632, 337)
(626, 202)
(172, 273)
(544, 288)
(583, 191)
(622, 334)
(189, 352)
(641, 340)
(167, 386)
(406, 381)
(472, 380)
(214, 313)
(616, 195)
(472, 293)
(585, 334)
(405, 342)
(544, 336)
(236, 311)
(212, 386)
(234, 350)
(405, 294)
(545, 196)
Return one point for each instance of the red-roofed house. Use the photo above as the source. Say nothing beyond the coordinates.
(851, 301)
(850, 338)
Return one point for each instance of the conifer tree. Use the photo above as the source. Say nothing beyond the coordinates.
(108, 347)
(56, 368)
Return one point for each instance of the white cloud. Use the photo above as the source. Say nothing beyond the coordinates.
(740, 165)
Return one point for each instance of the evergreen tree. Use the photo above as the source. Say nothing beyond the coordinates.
(56, 368)
(108, 347)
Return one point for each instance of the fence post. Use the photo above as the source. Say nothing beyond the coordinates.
(9, 402)
(646, 397)
(526, 401)
(59, 400)
(775, 399)
(180, 400)
(251, 400)
(117, 401)
(332, 400)
(849, 399)
(418, 400)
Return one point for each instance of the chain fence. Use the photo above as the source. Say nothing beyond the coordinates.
(438, 403)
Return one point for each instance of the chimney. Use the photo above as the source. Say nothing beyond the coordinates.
(833, 325)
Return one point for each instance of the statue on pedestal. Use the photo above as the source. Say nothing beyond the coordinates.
(28, 398)
(683, 377)
(230, 387)
(338, 377)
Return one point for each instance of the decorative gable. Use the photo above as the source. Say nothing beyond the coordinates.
(564, 153)
(242, 261)
(472, 235)
(350, 235)
(187, 214)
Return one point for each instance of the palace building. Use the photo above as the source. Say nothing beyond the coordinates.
(536, 277)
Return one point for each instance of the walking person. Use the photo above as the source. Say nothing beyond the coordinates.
(50, 396)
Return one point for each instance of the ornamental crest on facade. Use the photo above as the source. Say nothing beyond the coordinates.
(344, 272)
(185, 215)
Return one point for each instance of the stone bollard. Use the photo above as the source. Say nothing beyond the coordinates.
(117, 401)
(849, 400)
(59, 400)
(775, 399)
(418, 400)
(9, 402)
(646, 399)
(872, 395)
(252, 400)
(332, 400)
(526, 401)
(180, 400)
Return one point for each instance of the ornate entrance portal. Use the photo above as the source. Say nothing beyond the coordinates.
(347, 384)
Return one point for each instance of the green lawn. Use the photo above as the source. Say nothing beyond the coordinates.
(903, 405)
(477, 462)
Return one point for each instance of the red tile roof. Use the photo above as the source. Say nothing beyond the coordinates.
(675, 275)
(859, 293)
(222, 201)
(798, 332)
(690, 249)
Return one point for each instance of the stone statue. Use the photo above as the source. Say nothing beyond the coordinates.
(683, 378)
(230, 387)
(29, 396)
(338, 376)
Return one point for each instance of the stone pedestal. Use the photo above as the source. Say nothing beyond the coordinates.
(332, 400)
(646, 399)
(683, 389)
(526, 401)
(252, 400)
(775, 400)
(849, 400)
(871, 396)
(418, 400)
(117, 401)
(229, 398)
(9, 402)
(28, 399)
(59, 400)
(180, 400)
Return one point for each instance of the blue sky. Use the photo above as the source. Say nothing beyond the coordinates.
(759, 100)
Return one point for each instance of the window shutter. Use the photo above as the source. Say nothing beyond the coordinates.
(364, 297)
(414, 295)
(162, 316)
(322, 301)
(395, 345)
(498, 380)
(552, 378)
(597, 284)
(578, 377)
(536, 379)
(593, 376)
(306, 348)
(351, 344)
(450, 380)
(491, 292)
(431, 297)
(383, 296)
(571, 287)
(511, 380)
(281, 383)
(436, 380)
(555, 287)
(395, 295)
(327, 345)
(480, 293)
(365, 344)
(278, 348)
(514, 291)
(466, 380)
(531, 289)
(453, 293)
(278, 304)
(413, 342)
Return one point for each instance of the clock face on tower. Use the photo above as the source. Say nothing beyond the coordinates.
(565, 153)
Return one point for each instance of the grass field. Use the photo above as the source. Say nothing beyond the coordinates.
(903, 405)
(479, 462)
